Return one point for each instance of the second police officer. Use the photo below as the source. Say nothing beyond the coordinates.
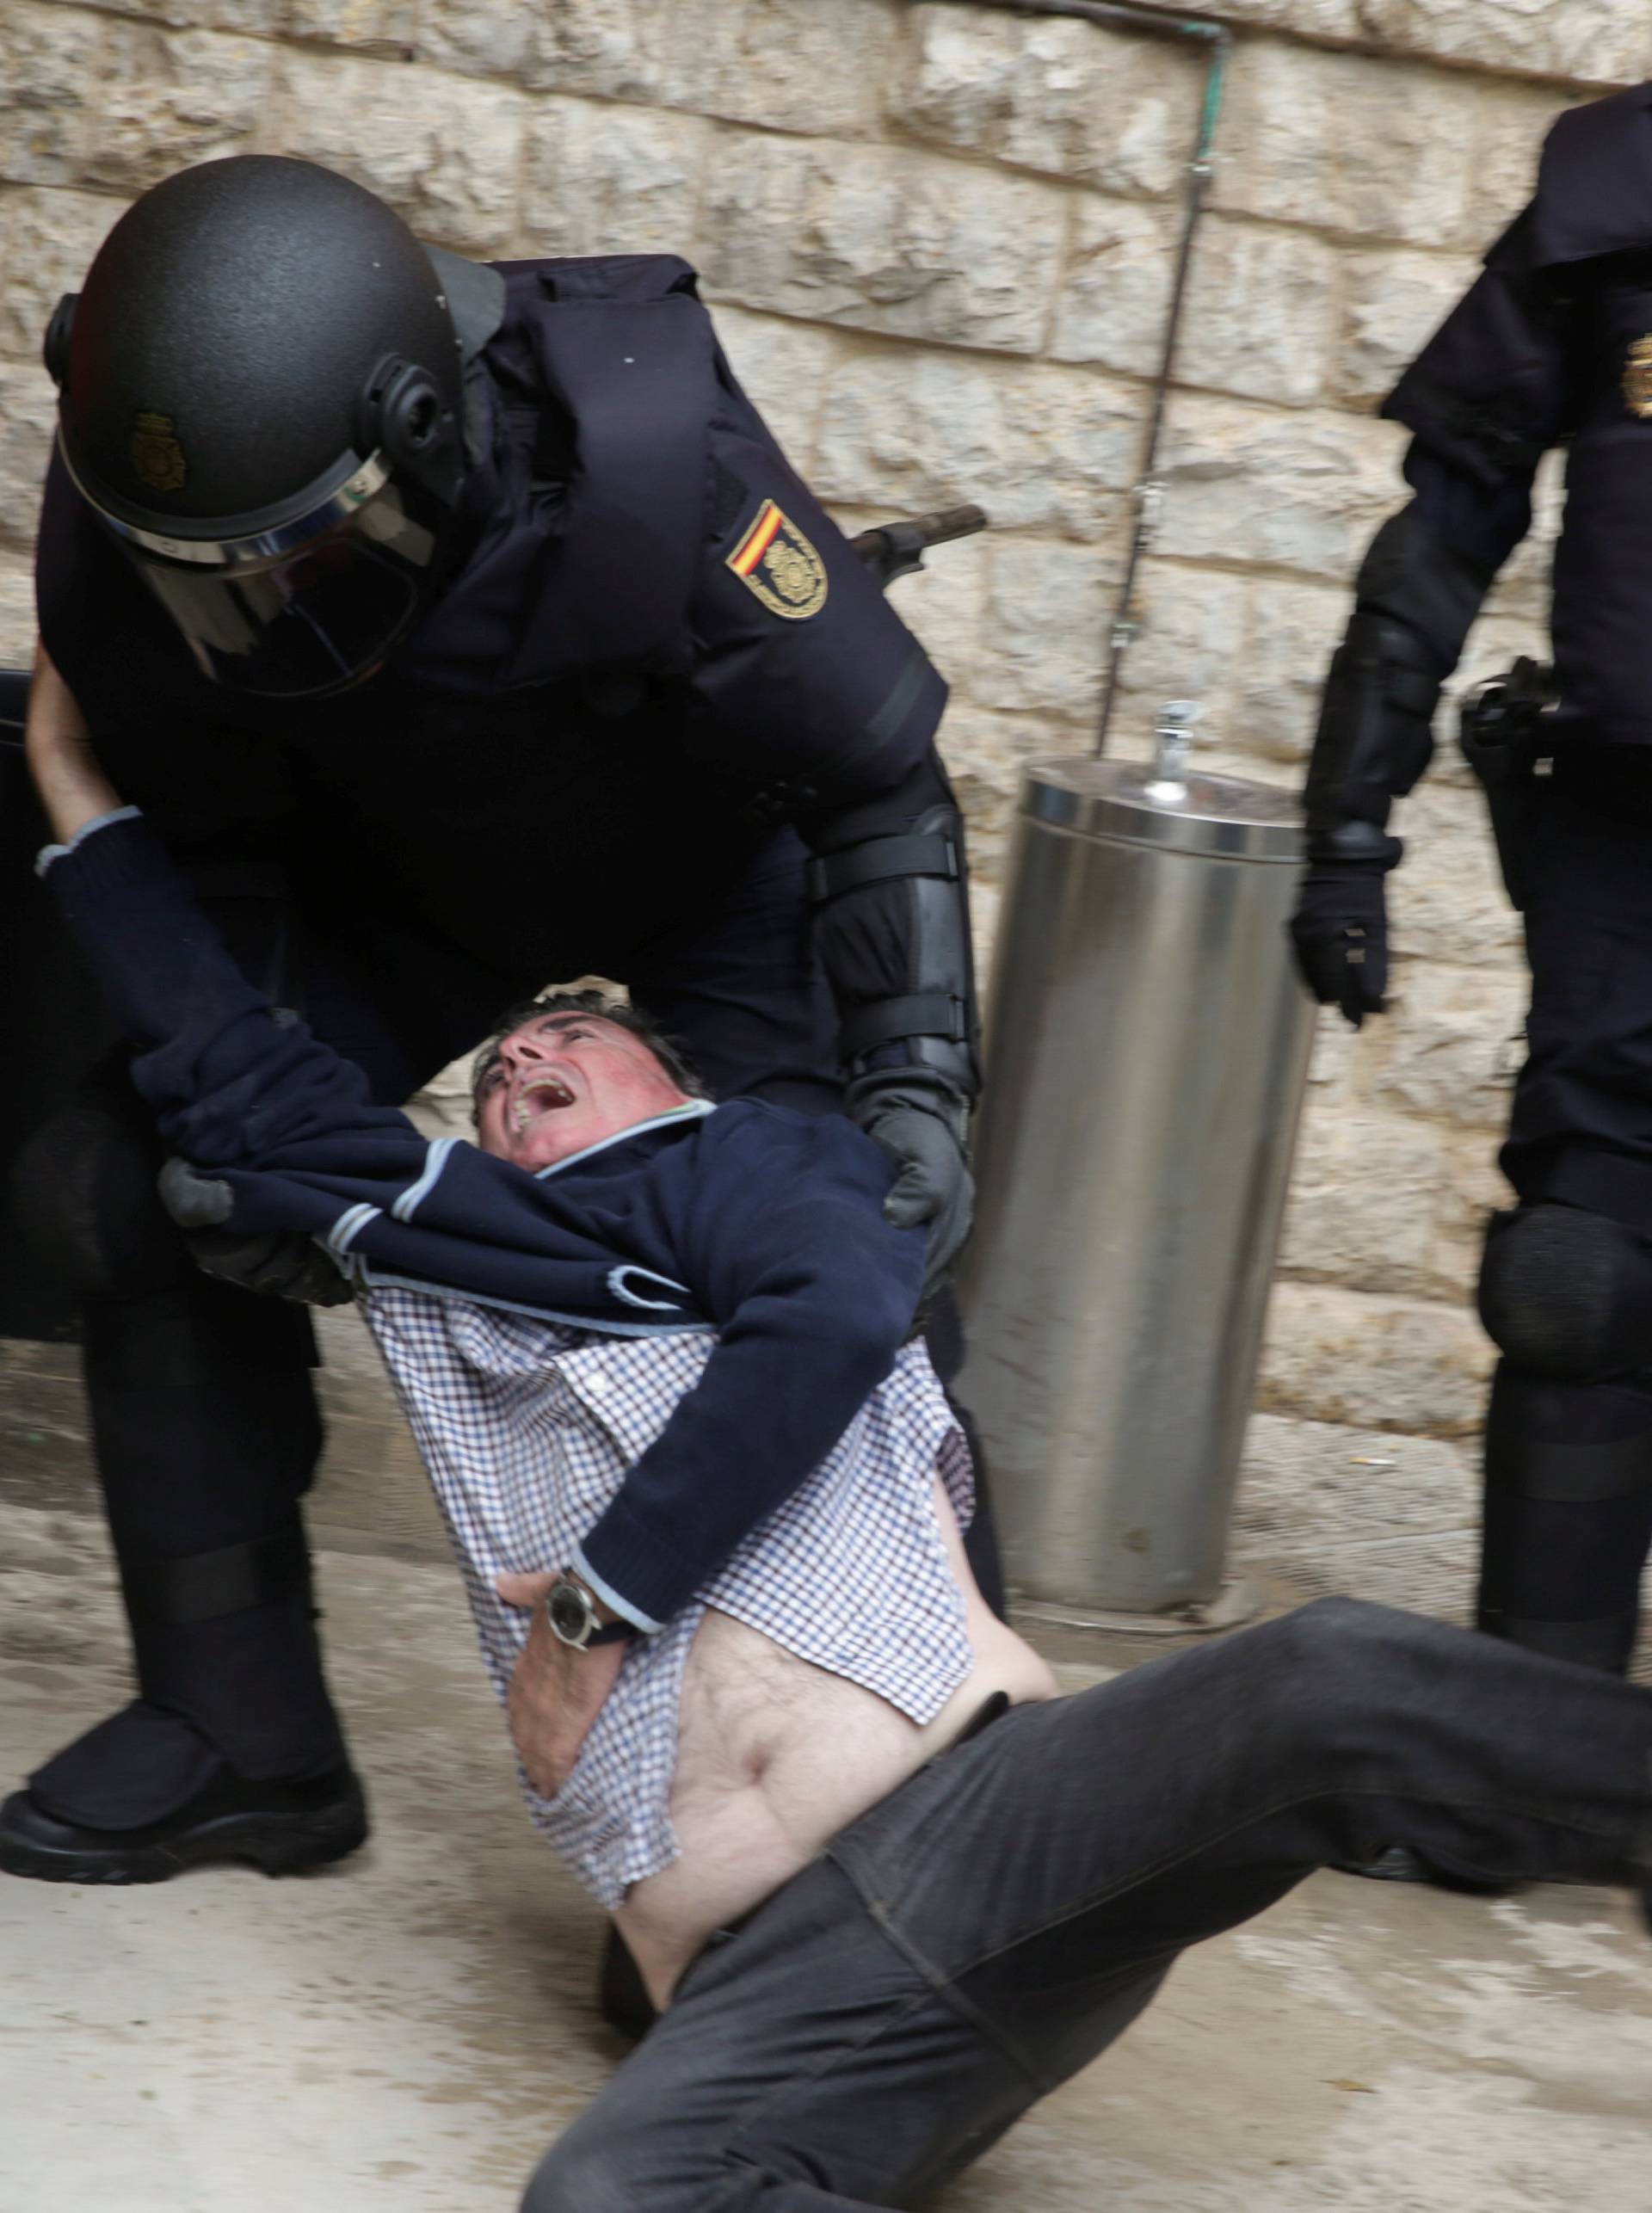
(1551, 345)
(463, 628)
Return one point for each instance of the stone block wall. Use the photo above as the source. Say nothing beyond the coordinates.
(939, 238)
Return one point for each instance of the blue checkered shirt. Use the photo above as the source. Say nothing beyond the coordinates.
(528, 1428)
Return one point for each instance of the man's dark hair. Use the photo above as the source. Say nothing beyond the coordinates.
(617, 1011)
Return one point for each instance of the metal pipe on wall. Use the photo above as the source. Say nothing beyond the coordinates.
(1148, 491)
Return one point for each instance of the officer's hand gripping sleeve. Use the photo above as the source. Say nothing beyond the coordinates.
(275, 1263)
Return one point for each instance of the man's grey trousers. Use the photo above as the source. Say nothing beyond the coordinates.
(991, 1927)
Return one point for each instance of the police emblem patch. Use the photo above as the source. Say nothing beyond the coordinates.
(1637, 380)
(156, 453)
(781, 566)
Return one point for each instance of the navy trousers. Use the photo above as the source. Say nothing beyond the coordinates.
(1568, 1516)
(1581, 1129)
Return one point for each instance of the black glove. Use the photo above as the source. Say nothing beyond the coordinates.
(922, 1124)
(1339, 930)
(281, 1264)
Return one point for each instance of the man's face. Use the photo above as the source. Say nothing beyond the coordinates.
(564, 1082)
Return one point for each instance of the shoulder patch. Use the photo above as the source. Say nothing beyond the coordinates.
(775, 560)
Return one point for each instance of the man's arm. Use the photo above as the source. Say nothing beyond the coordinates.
(785, 1245)
(67, 776)
(232, 1080)
(1488, 396)
(556, 1689)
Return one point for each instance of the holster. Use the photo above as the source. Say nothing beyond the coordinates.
(1504, 734)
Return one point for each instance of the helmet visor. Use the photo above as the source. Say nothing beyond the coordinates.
(308, 619)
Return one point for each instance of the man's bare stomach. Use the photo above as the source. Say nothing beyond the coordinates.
(774, 1756)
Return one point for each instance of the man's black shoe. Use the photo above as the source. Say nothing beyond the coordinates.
(621, 1993)
(1399, 1864)
(283, 1828)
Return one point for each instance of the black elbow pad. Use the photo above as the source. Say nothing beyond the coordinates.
(1415, 602)
(890, 892)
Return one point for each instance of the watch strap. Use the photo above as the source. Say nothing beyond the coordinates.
(597, 1632)
(610, 1632)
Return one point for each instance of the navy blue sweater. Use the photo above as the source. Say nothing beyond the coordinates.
(763, 1225)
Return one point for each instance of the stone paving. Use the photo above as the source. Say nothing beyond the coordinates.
(405, 2034)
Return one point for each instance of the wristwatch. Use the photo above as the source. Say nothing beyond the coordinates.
(571, 1611)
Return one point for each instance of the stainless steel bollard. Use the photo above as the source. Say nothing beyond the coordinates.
(1148, 1043)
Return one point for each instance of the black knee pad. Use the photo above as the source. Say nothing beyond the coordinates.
(1568, 1514)
(85, 1196)
(1566, 1294)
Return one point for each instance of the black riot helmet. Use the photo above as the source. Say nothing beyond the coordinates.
(261, 399)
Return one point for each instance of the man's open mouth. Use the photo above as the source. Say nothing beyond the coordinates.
(542, 1096)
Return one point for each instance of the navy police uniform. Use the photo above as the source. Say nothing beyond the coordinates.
(659, 724)
(1552, 346)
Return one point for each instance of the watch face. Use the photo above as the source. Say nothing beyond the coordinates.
(570, 1616)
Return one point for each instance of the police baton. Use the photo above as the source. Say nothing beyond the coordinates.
(897, 549)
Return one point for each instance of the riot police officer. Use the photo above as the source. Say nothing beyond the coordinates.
(462, 628)
(1552, 345)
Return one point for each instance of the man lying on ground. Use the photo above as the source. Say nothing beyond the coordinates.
(922, 1926)
(629, 1331)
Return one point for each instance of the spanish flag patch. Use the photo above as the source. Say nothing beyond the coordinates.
(775, 560)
